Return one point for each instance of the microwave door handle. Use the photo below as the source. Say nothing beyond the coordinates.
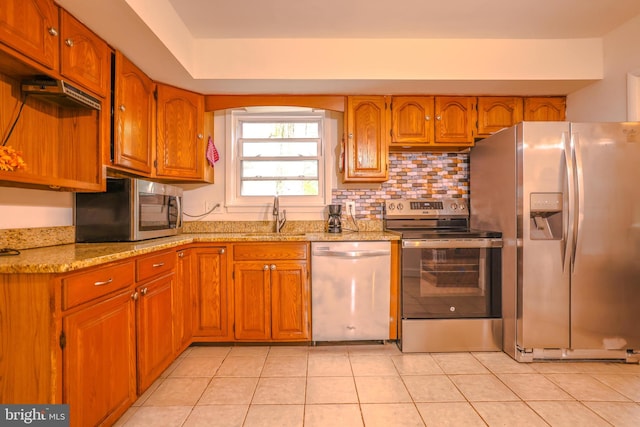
(179, 208)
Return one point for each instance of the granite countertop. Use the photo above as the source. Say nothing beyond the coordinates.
(71, 257)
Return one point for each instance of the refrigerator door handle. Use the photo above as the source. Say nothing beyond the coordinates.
(567, 144)
(579, 200)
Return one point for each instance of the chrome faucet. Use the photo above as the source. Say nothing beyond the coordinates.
(276, 213)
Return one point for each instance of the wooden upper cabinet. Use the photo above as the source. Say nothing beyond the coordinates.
(180, 152)
(133, 116)
(31, 28)
(367, 141)
(545, 108)
(498, 112)
(412, 119)
(84, 57)
(455, 120)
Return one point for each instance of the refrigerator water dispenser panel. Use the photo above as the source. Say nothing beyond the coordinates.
(546, 216)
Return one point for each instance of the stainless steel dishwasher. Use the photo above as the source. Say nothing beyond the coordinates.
(350, 290)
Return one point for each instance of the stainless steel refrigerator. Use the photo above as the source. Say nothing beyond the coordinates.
(566, 197)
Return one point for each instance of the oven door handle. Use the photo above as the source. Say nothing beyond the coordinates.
(451, 243)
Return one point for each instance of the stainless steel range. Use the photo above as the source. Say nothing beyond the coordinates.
(450, 284)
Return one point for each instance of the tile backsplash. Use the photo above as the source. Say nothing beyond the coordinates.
(412, 175)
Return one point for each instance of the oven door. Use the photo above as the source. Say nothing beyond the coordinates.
(451, 278)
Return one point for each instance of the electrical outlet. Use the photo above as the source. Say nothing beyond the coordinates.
(351, 207)
(210, 206)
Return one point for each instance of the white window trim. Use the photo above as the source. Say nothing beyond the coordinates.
(291, 204)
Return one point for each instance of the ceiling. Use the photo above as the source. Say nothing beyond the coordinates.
(158, 35)
(403, 18)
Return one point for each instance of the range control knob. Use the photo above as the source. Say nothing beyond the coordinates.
(400, 206)
(454, 206)
(391, 206)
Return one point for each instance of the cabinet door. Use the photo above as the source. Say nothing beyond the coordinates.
(31, 28)
(180, 140)
(368, 126)
(99, 361)
(455, 120)
(133, 112)
(154, 329)
(498, 112)
(211, 315)
(412, 120)
(252, 301)
(183, 301)
(544, 109)
(84, 57)
(289, 301)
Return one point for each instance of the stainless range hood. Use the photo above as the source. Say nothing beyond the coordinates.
(60, 92)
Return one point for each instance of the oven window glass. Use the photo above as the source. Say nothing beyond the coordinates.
(447, 283)
(157, 212)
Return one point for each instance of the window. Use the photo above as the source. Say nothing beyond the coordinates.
(277, 152)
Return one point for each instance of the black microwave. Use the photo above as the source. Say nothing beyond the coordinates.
(130, 209)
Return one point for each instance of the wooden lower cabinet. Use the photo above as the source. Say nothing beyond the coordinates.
(99, 361)
(154, 323)
(183, 301)
(212, 312)
(271, 292)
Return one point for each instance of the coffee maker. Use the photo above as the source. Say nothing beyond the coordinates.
(334, 224)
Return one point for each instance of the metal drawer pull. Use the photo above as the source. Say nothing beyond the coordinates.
(106, 282)
(160, 264)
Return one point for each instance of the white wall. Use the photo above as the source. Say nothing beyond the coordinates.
(21, 208)
(606, 100)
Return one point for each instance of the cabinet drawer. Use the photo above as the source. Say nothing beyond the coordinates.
(155, 265)
(270, 251)
(93, 284)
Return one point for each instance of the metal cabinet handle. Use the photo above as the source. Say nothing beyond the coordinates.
(180, 254)
(69, 42)
(266, 267)
(144, 291)
(427, 118)
(200, 136)
(222, 251)
(53, 31)
(273, 266)
(122, 108)
(438, 118)
(134, 296)
(106, 282)
(160, 264)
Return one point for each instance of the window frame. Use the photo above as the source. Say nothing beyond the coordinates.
(236, 203)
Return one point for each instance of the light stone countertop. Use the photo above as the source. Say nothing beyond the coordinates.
(71, 257)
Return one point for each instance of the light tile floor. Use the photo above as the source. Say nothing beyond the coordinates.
(377, 385)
